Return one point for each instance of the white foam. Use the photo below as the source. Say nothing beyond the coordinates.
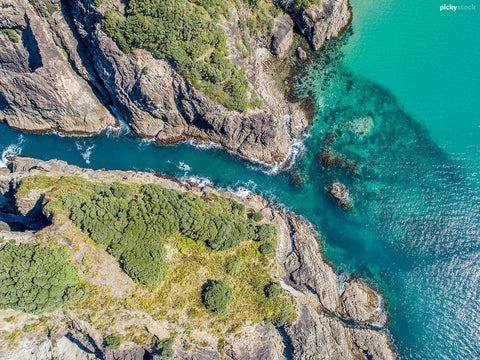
(11, 150)
(243, 189)
(124, 129)
(182, 166)
(204, 145)
(197, 180)
(144, 142)
(86, 151)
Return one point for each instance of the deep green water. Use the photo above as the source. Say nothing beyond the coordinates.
(398, 106)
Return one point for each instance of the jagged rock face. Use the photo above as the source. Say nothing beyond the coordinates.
(319, 23)
(359, 304)
(282, 35)
(39, 90)
(317, 336)
(160, 103)
(64, 69)
(307, 270)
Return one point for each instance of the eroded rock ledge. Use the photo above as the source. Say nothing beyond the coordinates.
(64, 70)
(331, 323)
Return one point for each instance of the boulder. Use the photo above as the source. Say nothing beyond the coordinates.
(282, 35)
(340, 192)
(301, 54)
(319, 23)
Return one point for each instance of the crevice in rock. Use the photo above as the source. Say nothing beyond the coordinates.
(287, 221)
(17, 221)
(3, 103)
(31, 45)
(98, 86)
(287, 341)
(74, 339)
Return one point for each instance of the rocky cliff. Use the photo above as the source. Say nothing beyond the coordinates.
(336, 318)
(60, 71)
(319, 23)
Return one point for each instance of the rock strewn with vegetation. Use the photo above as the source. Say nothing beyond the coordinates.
(294, 289)
(187, 33)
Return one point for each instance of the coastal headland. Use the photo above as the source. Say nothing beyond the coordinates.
(285, 301)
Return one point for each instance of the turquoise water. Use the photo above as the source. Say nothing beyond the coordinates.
(401, 132)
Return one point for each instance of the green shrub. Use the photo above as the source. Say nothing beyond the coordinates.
(233, 266)
(216, 296)
(273, 289)
(266, 248)
(246, 43)
(281, 319)
(113, 342)
(266, 232)
(256, 216)
(12, 35)
(37, 279)
(163, 347)
(51, 8)
(242, 49)
(306, 3)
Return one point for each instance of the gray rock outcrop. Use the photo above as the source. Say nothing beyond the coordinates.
(319, 23)
(340, 192)
(302, 54)
(282, 35)
(64, 69)
(39, 90)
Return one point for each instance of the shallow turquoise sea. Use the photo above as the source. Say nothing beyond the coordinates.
(398, 102)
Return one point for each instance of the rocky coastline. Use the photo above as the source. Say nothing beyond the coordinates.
(337, 318)
(60, 72)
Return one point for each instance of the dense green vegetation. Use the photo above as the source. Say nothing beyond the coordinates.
(113, 342)
(256, 216)
(306, 3)
(133, 222)
(216, 296)
(273, 289)
(260, 15)
(12, 34)
(187, 33)
(233, 266)
(37, 279)
(266, 248)
(163, 347)
(181, 224)
(266, 232)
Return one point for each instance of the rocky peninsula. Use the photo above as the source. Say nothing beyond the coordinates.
(60, 71)
(330, 317)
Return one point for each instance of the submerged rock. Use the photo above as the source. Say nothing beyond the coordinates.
(340, 192)
(361, 127)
